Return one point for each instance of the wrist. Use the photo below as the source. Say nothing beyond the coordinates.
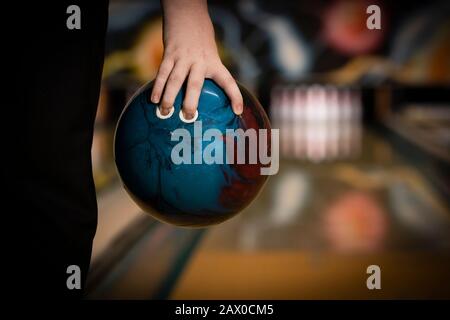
(188, 25)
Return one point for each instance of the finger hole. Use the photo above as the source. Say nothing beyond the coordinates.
(188, 120)
(162, 116)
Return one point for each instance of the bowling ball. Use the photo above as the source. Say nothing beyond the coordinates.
(355, 222)
(345, 28)
(189, 193)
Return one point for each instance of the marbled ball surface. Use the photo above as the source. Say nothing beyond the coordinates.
(187, 194)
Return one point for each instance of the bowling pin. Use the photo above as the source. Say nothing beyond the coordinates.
(333, 122)
(311, 122)
(285, 132)
(298, 121)
(319, 123)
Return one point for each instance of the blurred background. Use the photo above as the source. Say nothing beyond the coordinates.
(364, 119)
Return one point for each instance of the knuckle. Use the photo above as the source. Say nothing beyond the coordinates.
(168, 58)
(164, 70)
(218, 70)
(175, 77)
(195, 84)
(230, 82)
(159, 83)
(175, 55)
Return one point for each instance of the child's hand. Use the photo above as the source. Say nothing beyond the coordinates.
(190, 52)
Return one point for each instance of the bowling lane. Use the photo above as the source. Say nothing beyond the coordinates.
(135, 256)
(316, 228)
(311, 233)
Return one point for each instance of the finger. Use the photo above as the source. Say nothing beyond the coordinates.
(226, 81)
(194, 87)
(173, 86)
(163, 73)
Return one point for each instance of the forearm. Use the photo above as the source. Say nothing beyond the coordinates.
(182, 15)
(176, 8)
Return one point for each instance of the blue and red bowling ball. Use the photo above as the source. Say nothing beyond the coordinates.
(187, 194)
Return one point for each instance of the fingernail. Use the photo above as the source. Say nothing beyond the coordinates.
(165, 111)
(155, 98)
(239, 109)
